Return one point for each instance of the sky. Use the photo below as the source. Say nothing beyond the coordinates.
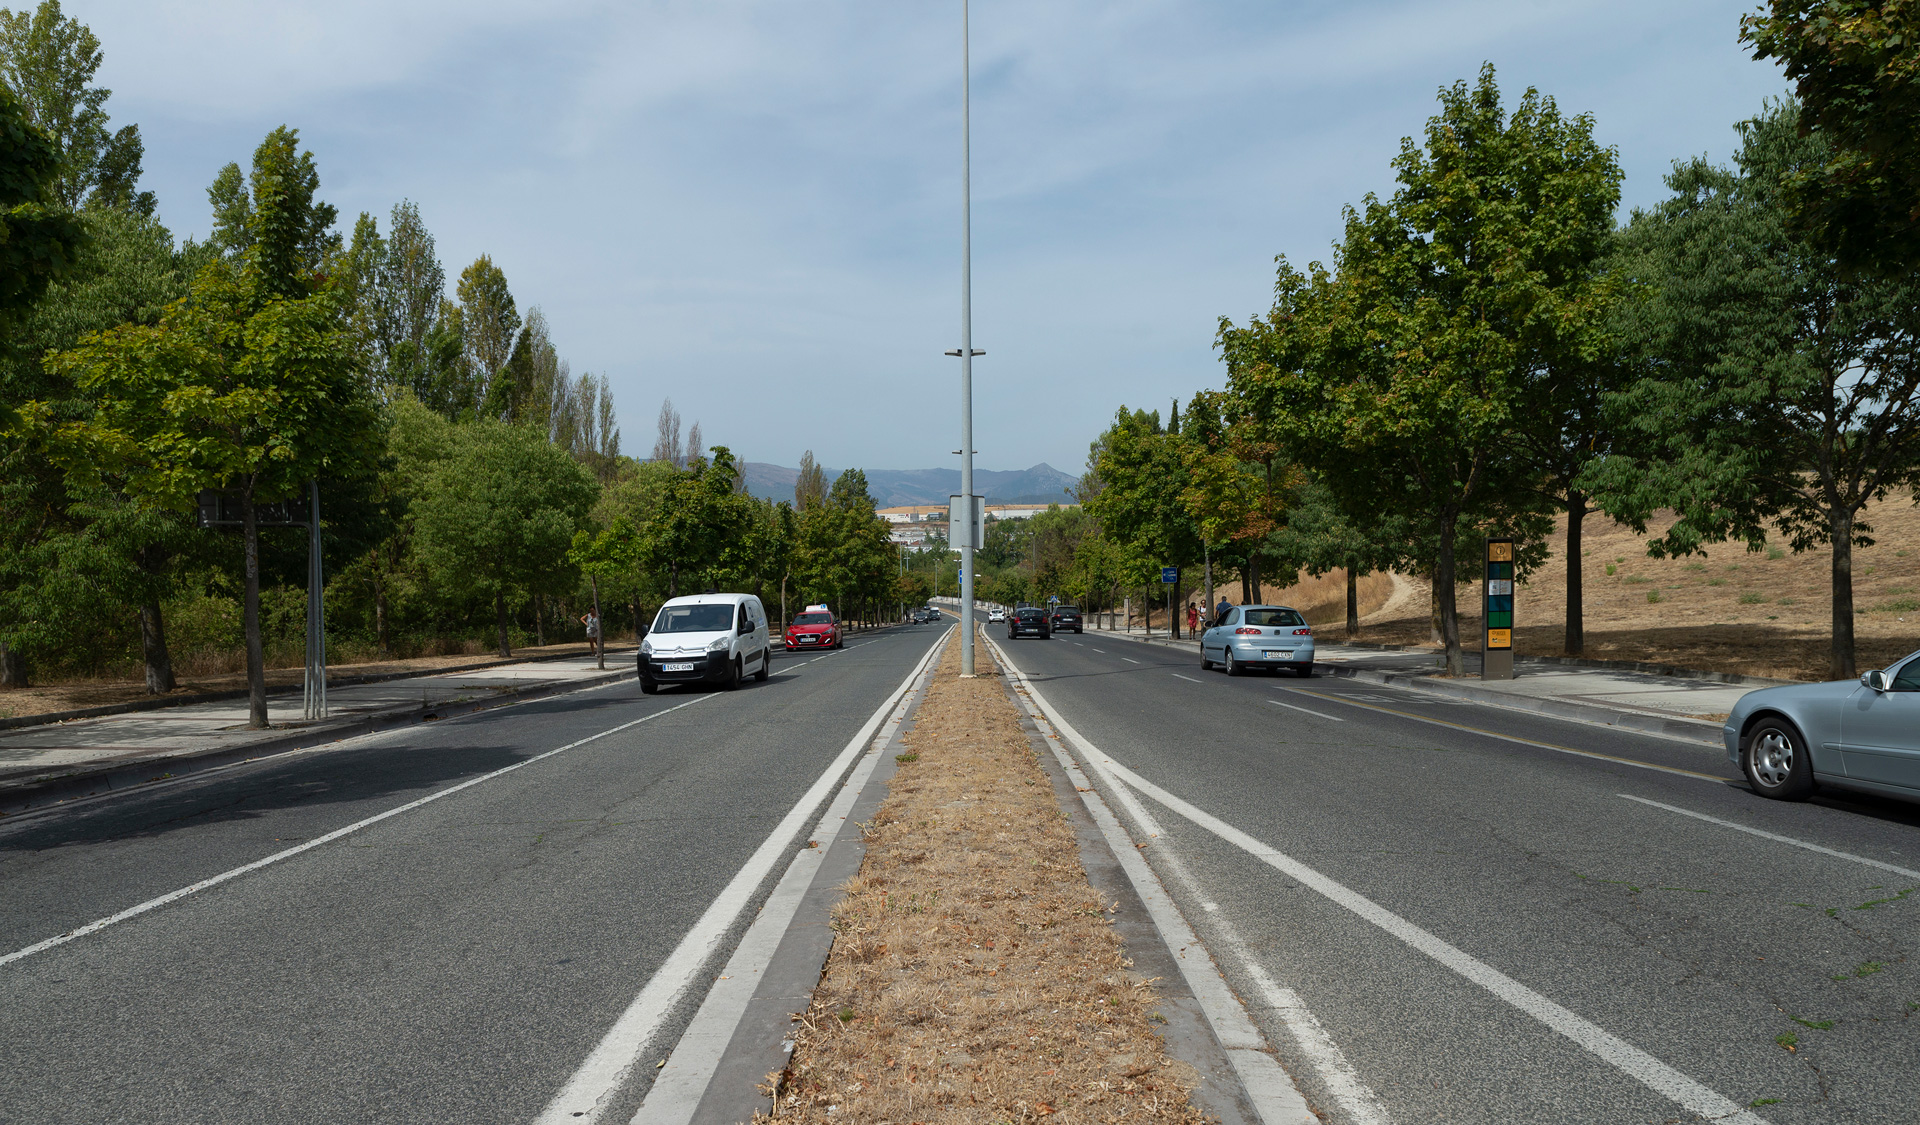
(753, 206)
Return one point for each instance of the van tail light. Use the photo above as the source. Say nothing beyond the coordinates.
(1246, 631)
(1303, 632)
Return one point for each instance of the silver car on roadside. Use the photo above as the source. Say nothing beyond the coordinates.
(1258, 636)
(1862, 735)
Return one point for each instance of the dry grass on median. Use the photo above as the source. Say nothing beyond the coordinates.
(975, 975)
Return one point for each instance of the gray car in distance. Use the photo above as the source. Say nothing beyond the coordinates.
(1862, 735)
(1259, 636)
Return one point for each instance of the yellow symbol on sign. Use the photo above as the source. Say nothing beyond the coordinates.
(1500, 552)
(1499, 638)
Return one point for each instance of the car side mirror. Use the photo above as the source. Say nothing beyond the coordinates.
(1876, 680)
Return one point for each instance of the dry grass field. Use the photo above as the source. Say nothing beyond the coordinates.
(975, 974)
(1761, 614)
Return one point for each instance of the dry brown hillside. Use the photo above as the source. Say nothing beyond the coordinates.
(1764, 614)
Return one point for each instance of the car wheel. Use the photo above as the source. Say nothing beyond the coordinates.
(732, 679)
(1232, 666)
(1776, 761)
(766, 666)
(648, 688)
(1304, 670)
(1205, 664)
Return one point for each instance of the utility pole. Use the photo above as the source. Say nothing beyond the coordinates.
(966, 352)
(316, 678)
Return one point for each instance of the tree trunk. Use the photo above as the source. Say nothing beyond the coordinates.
(1840, 525)
(153, 648)
(1449, 609)
(13, 667)
(256, 659)
(380, 634)
(1253, 579)
(599, 643)
(1246, 584)
(500, 619)
(1353, 603)
(539, 622)
(1576, 606)
(1433, 597)
(1209, 602)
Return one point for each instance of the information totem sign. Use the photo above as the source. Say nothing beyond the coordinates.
(1496, 601)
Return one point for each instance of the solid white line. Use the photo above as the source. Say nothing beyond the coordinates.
(1272, 1091)
(606, 1070)
(1361, 1105)
(1616, 1052)
(1907, 871)
(1315, 714)
(1189, 679)
(678, 1089)
(318, 841)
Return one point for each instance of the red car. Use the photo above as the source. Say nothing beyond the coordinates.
(815, 627)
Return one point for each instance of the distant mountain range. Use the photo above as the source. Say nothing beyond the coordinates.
(896, 488)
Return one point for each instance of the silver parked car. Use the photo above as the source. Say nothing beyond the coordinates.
(1259, 636)
(1861, 735)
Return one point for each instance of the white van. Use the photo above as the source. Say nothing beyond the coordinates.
(706, 639)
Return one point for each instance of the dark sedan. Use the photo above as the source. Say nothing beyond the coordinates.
(1028, 621)
(1066, 619)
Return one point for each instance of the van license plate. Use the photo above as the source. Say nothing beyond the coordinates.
(676, 668)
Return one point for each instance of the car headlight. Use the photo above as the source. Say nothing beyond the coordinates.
(720, 645)
(646, 647)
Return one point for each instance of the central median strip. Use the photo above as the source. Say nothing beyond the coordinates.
(975, 973)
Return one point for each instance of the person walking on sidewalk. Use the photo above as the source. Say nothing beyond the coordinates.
(1220, 611)
(1193, 618)
(592, 621)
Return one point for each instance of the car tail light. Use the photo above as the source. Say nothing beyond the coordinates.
(1247, 631)
(1303, 632)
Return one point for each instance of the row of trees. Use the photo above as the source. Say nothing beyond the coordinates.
(1489, 349)
(470, 483)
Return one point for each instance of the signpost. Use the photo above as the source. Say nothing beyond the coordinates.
(1496, 600)
(1169, 575)
(220, 508)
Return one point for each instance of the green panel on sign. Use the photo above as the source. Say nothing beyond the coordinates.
(1496, 620)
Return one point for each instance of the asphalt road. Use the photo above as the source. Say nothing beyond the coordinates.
(455, 962)
(1707, 949)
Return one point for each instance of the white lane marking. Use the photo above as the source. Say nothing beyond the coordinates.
(1315, 714)
(318, 841)
(1907, 871)
(1101, 651)
(1615, 759)
(678, 1089)
(1611, 1049)
(606, 1070)
(1189, 679)
(1130, 660)
(1272, 1091)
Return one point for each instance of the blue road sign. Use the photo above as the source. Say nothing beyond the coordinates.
(1169, 575)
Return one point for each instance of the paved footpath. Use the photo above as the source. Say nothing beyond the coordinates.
(83, 751)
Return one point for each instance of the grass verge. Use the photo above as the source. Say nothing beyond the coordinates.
(975, 975)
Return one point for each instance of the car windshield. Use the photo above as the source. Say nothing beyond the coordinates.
(1273, 617)
(694, 619)
(814, 619)
(1028, 612)
(1067, 609)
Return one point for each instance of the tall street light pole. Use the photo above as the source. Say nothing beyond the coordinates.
(966, 352)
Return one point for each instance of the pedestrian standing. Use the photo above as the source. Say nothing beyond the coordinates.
(1193, 618)
(1220, 611)
(592, 621)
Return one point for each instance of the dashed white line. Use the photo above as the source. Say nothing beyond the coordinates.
(1907, 871)
(1303, 710)
(1189, 679)
(1130, 660)
(320, 841)
(1609, 1048)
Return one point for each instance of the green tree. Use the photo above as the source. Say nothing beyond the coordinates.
(499, 514)
(49, 61)
(1855, 65)
(1780, 388)
(811, 486)
(1399, 378)
(488, 321)
(251, 383)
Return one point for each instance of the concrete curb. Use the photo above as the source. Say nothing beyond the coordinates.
(55, 788)
(241, 693)
(1690, 730)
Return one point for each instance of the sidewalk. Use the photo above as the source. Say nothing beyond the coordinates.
(1683, 706)
(43, 764)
